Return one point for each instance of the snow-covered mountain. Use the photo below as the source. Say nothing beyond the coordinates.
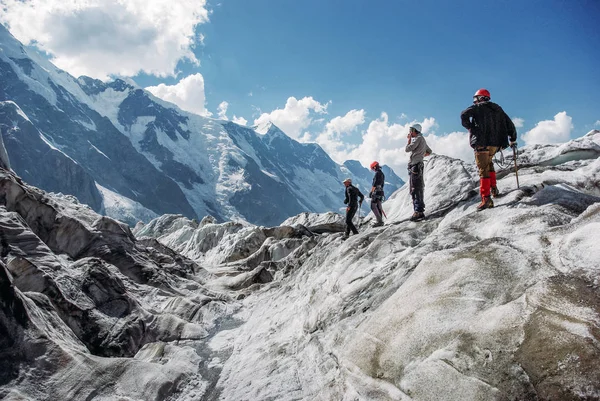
(131, 155)
(501, 304)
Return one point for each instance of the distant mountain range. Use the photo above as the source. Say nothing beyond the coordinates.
(132, 156)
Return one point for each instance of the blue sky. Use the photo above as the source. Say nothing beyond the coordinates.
(418, 58)
(326, 70)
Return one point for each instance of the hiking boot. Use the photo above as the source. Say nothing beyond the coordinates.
(345, 236)
(486, 203)
(494, 191)
(417, 216)
(378, 224)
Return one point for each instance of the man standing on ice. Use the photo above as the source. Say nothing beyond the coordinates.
(417, 146)
(490, 128)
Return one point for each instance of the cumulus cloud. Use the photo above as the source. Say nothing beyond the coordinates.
(331, 139)
(518, 122)
(385, 142)
(239, 120)
(597, 123)
(551, 131)
(295, 117)
(222, 110)
(188, 94)
(100, 38)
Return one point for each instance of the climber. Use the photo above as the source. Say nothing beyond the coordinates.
(418, 148)
(377, 195)
(490, 128)
(352, 195)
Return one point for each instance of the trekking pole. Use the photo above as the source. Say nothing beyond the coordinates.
(382, 211)
(516, 167)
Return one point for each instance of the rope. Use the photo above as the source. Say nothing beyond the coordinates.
(502, 162)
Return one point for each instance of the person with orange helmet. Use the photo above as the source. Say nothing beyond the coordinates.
(490, 129)
(377, 193)
(418, 148)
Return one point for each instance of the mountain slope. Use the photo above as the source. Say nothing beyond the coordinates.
(78, 131)
(153, 154)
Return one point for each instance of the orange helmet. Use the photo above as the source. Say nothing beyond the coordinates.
(374, 165)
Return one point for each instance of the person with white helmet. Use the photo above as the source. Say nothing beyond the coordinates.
(377, 193)
(352, 196)
(490, 128)
(418, 148)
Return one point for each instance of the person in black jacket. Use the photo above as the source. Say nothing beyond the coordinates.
(352, 195)
(490, 128)
(377, 194)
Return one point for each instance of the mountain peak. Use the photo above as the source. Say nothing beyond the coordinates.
(263, 128)
(9, 45)
(268, 128)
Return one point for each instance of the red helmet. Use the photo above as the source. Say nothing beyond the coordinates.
(483, 92)
(374, 165)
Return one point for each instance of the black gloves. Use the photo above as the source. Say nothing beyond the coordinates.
(345, 201)
(370, 194)
(513, 144)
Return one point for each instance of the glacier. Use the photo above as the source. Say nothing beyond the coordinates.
(501, 304)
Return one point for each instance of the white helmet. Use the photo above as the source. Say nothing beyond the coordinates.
(347, 180)
(416, 127)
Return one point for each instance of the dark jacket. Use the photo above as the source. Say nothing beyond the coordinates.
(488, 125)
(378, 179)
(378, 182)
(352, 194)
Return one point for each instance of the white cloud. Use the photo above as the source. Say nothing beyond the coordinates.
(295, 117)
(239, 120)
(188, 94)
(222, 110)
(99, 38)
(331, 138)
(597, 123)
(454, 144)
(551, 131)
(385, 143)
(518, 122)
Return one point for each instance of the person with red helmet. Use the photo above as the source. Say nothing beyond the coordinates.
(490, 129)
(419, 149)
(377, 193)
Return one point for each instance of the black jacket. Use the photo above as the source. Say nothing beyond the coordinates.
(378, 179)
(352, 194)
(488, 125)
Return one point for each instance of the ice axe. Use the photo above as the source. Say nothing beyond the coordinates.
(514, 148)
(382, 211)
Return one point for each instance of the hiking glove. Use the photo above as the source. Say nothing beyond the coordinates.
(513, 144)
